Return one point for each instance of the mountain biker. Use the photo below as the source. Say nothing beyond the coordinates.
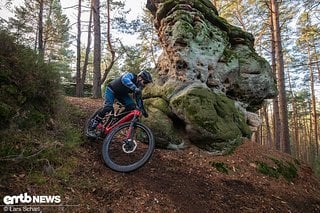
(119, 89)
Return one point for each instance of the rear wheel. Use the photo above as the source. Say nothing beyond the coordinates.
(124, 155)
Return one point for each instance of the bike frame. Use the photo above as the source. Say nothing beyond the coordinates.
(131, 116)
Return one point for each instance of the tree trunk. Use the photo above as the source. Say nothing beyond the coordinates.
(276, 117)
(257, 135)
(295, 129)
(268, 139)
(316, 58)
(46, 33)
(40, 30)
(113, 53)
(314, 124)
(284, 133)
(306, 134)
(304, 140)
(78, 73)
(96, 51)
(86, 57)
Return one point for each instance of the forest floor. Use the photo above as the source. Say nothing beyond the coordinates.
(188, 180)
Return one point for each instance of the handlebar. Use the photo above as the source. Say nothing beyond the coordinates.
(139, 106)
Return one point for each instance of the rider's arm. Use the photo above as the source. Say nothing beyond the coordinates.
(126, 79)
(139, 102)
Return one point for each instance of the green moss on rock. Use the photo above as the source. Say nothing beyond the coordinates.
(161, 91)
(160, 123)
(213, 115)
(182, 29)
(281, 168)
(158, 103)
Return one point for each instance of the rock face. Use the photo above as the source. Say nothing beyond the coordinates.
(207, 78)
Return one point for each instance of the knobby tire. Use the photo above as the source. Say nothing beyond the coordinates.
(112, 148)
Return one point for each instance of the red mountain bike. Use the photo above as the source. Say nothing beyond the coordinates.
(127, 143)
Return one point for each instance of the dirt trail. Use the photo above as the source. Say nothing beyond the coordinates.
(186, 181)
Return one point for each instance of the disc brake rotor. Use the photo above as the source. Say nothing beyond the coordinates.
(129, 146)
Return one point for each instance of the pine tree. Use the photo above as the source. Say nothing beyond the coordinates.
(47, 32)
(78, 68)
(24, 23)
(87, 52)
(308, 34)
(96, 90)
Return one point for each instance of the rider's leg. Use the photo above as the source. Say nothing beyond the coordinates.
(108, 107)
(127, 101)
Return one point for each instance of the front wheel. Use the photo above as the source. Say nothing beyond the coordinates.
(124, 155)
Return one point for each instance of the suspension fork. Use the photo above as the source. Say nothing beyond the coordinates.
(130, 132)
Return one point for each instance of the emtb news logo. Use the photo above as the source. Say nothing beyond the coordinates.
(28, 199)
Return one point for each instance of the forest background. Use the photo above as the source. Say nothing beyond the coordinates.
(90, 42)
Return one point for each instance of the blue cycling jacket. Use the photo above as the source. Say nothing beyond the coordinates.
(124, 84)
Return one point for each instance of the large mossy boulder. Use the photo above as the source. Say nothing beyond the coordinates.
(211, 118)
(208, 75)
